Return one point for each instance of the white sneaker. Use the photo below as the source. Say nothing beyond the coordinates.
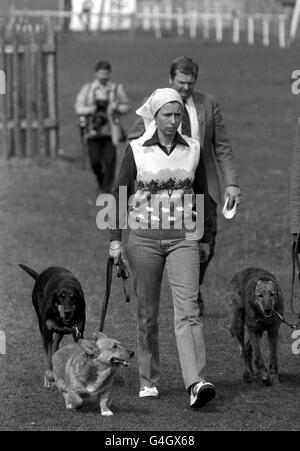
(148, 392)
(201, 394)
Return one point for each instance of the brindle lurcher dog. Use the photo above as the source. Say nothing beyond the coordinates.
(254, 296)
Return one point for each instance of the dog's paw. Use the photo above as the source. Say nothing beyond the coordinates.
(264, 377)
(273, 380)
(49, 379)
(106, 413)
(266, 380)
(73, 407)
(48, 384)
(72, 400)
(248, 377)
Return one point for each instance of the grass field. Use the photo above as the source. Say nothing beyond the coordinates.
(48, 218)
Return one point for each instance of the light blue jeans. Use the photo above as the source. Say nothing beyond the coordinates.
(147, 258)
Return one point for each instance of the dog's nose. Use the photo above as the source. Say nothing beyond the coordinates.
(131, 354)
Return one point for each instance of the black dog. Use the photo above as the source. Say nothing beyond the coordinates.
(59, 303)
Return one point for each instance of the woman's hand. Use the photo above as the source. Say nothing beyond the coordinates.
(115, 250)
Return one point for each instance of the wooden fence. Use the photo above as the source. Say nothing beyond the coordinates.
(29, 123)
(259, 28)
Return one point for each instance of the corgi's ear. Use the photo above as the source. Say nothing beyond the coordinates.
(99, 335)
(89, 347)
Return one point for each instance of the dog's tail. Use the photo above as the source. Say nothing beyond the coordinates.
(30, 271)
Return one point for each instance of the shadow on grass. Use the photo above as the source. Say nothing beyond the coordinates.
(91, 406)
(291, 380)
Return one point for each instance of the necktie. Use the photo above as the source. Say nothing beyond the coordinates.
(186, 123)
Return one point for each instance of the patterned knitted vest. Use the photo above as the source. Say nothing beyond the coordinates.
(162, 206)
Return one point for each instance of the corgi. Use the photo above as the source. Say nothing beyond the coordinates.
(87, 369)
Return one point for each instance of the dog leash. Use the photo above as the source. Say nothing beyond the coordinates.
(295, 258)
(296, 263)
(122, 272)
(76, 333)
(284, 321)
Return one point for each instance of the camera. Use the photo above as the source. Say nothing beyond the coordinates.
(101, 105)
(100, 116)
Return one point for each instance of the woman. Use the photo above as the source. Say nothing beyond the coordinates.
(167, 170)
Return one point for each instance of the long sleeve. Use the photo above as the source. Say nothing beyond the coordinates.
(200, 187)
(82, 105)
(122, 100)
(126, 182)
(222, 147)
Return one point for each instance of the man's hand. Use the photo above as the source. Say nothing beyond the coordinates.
(115, 250)
(234, 193)
(91, 110)
(112, 108)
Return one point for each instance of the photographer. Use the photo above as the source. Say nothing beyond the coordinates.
(99, 105)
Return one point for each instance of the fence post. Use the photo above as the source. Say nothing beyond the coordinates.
(146, 18)
(61, 19)
(250, 23)
(266, 31)
(29, 90)
(169, 14)
(295, 21)
(52, 94)
(157, 29)
(8, 54)
(40, 92)
(205, 19)
(3, 104)
(193, 24)
(16, 94)
(219, 28)
(236, 29)
(132, 31)
(281, 31)
(180, 22)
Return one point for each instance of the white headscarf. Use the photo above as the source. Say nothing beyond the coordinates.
(154, 103)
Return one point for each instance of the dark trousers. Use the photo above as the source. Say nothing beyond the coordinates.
(210, 234)
(102, 155)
